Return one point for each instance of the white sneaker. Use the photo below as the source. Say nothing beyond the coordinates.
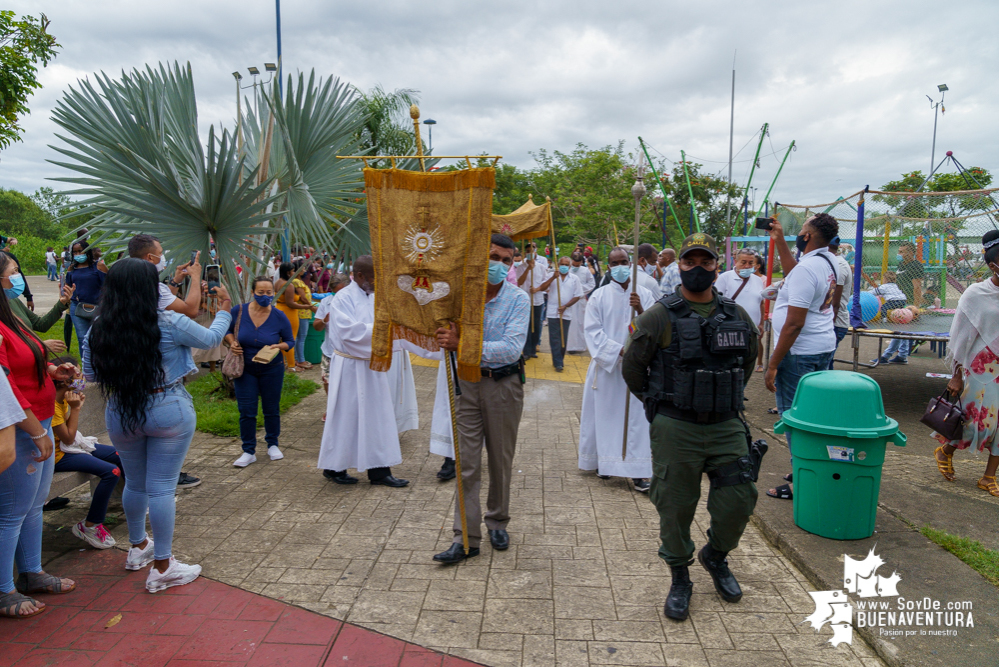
(245, 460)
(139, 558)
(95, 536)
(177, 574)
(275, 453)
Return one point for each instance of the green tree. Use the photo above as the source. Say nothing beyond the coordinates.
(20, 215)
(512, 188)
(709, 200)
(388, 127)
(24, 44)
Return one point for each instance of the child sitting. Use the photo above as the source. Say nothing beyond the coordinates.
(74, 452)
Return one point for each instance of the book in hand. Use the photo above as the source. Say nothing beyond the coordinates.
(266, 354)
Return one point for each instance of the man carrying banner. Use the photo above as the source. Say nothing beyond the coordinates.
(488, 411)
(360, 430)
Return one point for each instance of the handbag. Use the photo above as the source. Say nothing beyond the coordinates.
(944, 417)
(232, 365)
(85, 311)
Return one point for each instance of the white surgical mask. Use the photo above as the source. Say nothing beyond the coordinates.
(160, 265)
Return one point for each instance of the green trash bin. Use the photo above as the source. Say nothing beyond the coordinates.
(838, 432)
(313, 343)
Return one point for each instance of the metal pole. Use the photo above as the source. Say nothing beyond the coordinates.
(731, 138)
(690, 192)
(777, 175)
(277, 6)
(637, 191)
(933, 150)
(752, 170)
(658, 180)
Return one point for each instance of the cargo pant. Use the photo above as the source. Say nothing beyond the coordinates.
(681, 452)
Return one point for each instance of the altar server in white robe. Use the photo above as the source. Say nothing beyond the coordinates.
(360, 430)
(601, 427)
(403, 386)
(577, 340)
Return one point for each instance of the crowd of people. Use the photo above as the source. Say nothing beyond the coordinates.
(683, 318)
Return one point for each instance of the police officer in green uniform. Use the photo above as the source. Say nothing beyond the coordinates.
(688, 358)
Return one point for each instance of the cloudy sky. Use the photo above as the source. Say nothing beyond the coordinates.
(847, 80)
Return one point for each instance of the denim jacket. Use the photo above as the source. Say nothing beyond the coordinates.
(178, 334)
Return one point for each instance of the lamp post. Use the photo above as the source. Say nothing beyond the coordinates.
(936, 106)
(239, 114)
(430, 122)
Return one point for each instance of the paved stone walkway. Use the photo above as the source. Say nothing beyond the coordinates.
(580, 585)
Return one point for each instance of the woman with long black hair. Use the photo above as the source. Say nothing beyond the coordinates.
(25, 484)
(139, 356)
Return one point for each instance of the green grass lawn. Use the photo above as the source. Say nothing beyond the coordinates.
(56, 332)
(982, 560)
(220, 416)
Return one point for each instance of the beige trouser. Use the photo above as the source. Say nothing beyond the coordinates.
(487, 410)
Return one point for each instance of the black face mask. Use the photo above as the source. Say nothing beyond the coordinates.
(697, 279)
(800, 243)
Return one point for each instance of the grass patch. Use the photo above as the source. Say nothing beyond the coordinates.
(981, 559)
(218, 414)
(56, 332)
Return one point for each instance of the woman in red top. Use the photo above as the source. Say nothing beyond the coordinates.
(25, 484)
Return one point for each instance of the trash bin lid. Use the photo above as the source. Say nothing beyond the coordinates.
(840, 403)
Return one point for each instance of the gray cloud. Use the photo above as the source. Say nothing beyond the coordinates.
(846, 80)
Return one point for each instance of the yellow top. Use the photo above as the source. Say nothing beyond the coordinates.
(303, 313)
(61, 410)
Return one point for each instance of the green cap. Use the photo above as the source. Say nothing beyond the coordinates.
(699, 241)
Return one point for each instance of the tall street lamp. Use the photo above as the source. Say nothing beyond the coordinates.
(936, 106)
(430, 122)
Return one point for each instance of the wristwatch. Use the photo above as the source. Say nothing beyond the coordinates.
(173, 283)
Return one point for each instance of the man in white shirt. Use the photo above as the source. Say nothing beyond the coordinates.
(648, 264)
(843, 295)
(562, 295)
(575, 339)
(530, 275)
(803, 314)
(50, 264)
(743, 286)
(148, 247)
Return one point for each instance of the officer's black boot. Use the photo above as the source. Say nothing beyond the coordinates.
(677, 604)
(717, 566)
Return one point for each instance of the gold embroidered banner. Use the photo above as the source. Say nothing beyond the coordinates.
(430, 243)
(528, 222)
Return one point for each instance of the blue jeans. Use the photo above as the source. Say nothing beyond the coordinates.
(900, 346)
(534, 337)
(263, 382)
(23, 488)
(303, 331)
(555, 338)
(103, 463)
(81, 325)
(53, 272)
(840, 335)
(152, 457)
(792, 368)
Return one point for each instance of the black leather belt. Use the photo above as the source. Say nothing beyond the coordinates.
(501, 372)
(696, 417)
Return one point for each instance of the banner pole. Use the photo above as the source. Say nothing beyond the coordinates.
(637, 191)
(558, 281)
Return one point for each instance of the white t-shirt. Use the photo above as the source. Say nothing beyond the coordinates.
(536, 281)
(322, 311)
(569, 289)
(649, 283)
(890, 292)
(10, 410)
(844, 277)
(166, 297)
(749, 298)
(809, 285)
(50, 257)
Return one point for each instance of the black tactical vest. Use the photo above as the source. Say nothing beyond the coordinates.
(699, 377)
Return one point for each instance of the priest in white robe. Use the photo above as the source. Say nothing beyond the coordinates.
(576, 339)
(360, 430)
(601, 427)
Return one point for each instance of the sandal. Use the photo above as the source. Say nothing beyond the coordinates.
(782, 492)
(759, 369)
(41, 582)
(772, 411)
(788, 476)
(946, 467)
(987, 483)
(10, 605)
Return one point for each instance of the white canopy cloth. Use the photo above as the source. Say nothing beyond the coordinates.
(360, 430)
(577, 341)
(601, 424)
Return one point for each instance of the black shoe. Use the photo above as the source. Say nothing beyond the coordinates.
(717, 566)
(603, 476)
(677, 604)
(499, 539)
(447, 470)
(187, 481)
(339, 477)
(641, 485)
(455, 554)
(56, 503)
(389, 480)
(558, 369)
(899, 360)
